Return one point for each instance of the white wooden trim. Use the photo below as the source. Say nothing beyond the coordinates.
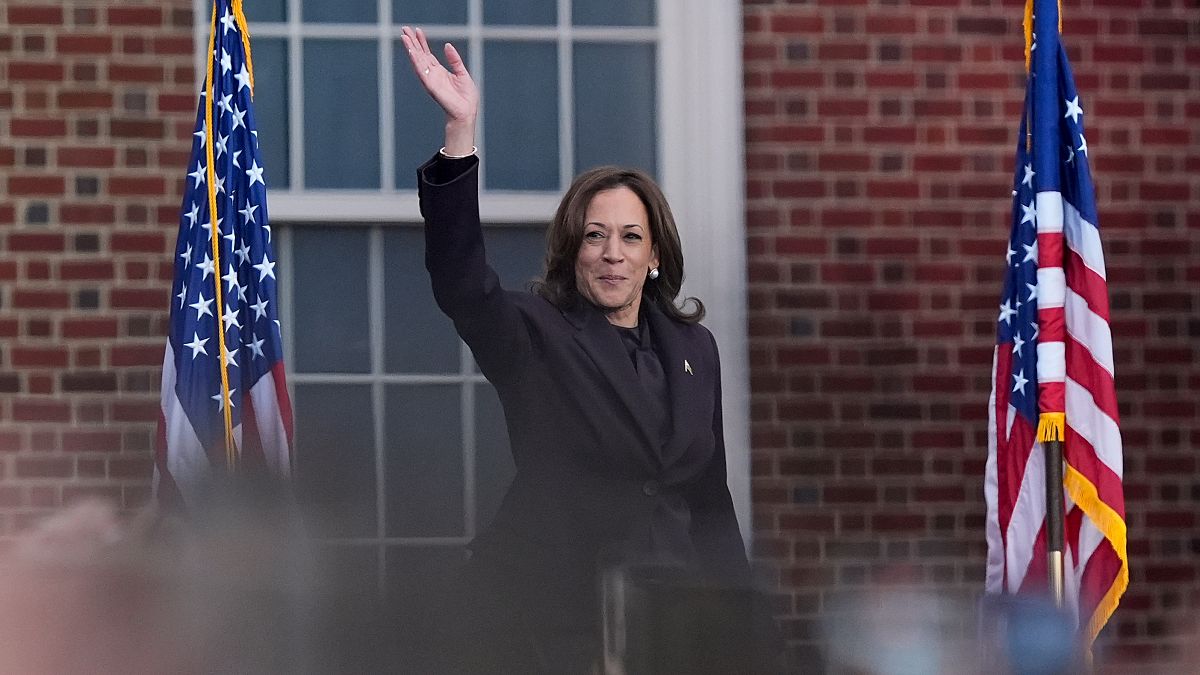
(702, 160)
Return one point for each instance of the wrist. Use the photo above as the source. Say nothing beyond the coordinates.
(460, 136)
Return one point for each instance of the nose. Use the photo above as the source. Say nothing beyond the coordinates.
(612, 250)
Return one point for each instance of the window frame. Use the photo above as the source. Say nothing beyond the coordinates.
(701, 164)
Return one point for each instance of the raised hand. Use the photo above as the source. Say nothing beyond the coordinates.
(452, 88)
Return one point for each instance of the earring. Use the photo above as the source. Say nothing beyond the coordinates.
(654, 273)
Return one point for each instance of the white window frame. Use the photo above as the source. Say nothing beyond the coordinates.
(701, 162)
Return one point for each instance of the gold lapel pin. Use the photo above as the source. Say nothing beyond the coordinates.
(687, 367)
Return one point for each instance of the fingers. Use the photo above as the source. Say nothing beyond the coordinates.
(424, 43)
(454, 60)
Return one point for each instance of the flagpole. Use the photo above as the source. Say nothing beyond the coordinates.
(1046, 21)
(1054, 518)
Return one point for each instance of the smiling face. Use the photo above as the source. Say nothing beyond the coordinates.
(616, 254)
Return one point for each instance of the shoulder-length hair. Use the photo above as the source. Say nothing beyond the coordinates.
(565, 236)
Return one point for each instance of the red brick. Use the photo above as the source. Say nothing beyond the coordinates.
(78, 43)
(36, 241)
(39, 410)
(37, 128)
(75, 99)
(35, 71)
(33, 185)
(143, 74)
(32, 15)
(133, 355)
(139, 298)
(82, 214)
(135, 16)
(30, 299)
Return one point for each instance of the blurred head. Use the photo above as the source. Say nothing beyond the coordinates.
(612, 227)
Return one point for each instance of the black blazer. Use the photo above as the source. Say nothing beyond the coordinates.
(588, 474)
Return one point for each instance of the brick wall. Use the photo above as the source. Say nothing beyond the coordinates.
(96, 106)
(880, 138)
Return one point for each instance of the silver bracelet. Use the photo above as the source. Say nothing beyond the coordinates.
(449, 156)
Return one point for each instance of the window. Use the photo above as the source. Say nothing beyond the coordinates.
(400, 441)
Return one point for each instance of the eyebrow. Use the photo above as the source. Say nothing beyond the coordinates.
(625, 226)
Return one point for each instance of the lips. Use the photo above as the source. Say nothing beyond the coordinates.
(611, 278)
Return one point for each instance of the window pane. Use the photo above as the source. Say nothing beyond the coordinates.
(516, 253)
(521, 115)
(521, 12)
(494, 468)
(271, 107)
(416, 12)
(424, 461)
(612, 13)
(342, 11)
(330, 300)
(614, 106)
(261, 11)
(335, 458)
(341, 114)
(418, 338)
(419, 121)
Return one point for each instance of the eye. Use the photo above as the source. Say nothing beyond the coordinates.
(633, 236)
(593, 234)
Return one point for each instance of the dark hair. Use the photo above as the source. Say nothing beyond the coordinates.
(566, 234)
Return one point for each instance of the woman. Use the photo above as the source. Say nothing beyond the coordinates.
(611, 394)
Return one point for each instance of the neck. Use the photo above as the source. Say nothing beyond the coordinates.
(625, 317)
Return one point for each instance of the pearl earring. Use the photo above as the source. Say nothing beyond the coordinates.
(654, 273)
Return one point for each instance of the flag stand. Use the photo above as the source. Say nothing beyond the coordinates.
(1054, 518)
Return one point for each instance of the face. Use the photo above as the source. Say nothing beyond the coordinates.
(616, 254)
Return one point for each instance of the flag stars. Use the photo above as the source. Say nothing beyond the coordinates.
(193, 214)
(1031, 252)
(239, 118)
(222, 401)
(231, 279)
(228, 22)
(1028, 213)
(1019, 382)
(1083, 145)
(265, 269)
(255, 173)
(199, 174)
(255, 345)
(226, 62)
(187, 255)
(260, 308)
(225, 103)
(207, 267)
(1017, 344)
(1007, 312)
(182, 295)
(1073, 110)
(243, 253)
(197, 345)
(1029, 174)
(230, 319)
(1032, 292)
(248, 213)
(243, 78)
(202, 306)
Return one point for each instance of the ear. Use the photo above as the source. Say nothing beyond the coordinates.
(654, 256)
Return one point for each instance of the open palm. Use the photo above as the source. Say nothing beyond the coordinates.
(451, 86)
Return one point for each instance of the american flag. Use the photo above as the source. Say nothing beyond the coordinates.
(1054, 356)
(224, 313)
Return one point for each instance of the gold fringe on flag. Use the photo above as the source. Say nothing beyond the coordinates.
(1112, 525)
(1051, 426)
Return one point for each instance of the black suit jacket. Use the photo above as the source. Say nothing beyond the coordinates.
(588, 474)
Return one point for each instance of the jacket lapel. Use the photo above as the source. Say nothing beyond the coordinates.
(602, 343)
(687, 388)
